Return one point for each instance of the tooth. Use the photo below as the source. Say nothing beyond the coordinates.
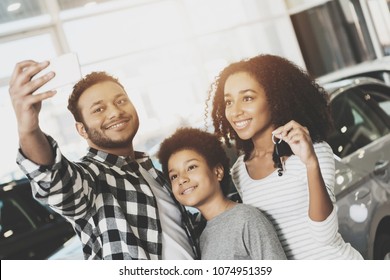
(187, 190)
(242, 123)
(115, 125)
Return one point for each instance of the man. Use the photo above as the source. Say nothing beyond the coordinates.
(118, 203)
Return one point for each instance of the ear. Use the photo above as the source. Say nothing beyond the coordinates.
(81, 130)
(219, 172)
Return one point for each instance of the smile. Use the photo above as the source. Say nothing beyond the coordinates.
(188, 190)
(116, 125)
(241, 124)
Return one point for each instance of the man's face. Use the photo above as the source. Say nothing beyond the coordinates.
(109, 118)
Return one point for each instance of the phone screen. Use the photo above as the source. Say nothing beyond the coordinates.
(67, 71)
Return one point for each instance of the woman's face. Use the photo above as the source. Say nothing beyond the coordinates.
(246, 106)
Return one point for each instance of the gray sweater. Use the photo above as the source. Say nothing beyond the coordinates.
(240, 233)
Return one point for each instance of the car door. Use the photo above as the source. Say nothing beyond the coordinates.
(361, 143)
(363, 130)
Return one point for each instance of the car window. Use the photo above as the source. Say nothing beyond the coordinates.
(386, 107)
(382, 99)
(356, 122)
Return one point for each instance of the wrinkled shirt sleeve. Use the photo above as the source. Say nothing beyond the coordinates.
(63, 185)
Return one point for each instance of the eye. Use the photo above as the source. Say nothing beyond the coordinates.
(121, 101)
(97, 110)
(247, 98)
(192, 167)
(228, 102)
(173, 177)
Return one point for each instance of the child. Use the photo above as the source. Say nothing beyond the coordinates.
(196, 164)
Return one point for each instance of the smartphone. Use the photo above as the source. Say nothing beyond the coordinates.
(67, 71)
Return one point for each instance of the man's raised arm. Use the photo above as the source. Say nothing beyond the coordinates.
(27, 106)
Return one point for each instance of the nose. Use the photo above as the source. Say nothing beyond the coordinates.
(235, 109)
(183, 179)
(114, 111)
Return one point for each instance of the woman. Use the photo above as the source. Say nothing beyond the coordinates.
(279, 119)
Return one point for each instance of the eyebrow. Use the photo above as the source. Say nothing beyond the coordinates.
(241, 92)
(187, 161)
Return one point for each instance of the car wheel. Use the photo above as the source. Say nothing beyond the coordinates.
(382, 247)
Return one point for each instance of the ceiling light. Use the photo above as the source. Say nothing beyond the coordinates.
(90, 4)
(14, 7)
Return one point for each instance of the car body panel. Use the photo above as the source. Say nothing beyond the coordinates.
(378, 69)
(363, 176)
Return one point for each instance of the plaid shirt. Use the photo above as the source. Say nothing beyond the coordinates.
(108, 202)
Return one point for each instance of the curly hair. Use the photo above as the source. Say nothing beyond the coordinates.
(291, 95)
(205, 144)
(88, 81)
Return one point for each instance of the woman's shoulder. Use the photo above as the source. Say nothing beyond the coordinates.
(323, 149)
(322, 146)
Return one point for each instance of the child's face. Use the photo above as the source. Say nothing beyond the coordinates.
(193, 181)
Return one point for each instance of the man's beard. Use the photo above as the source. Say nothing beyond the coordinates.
(100, 140)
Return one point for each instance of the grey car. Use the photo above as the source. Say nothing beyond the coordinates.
(361, 144)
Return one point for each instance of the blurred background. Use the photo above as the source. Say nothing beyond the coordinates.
(167, 52)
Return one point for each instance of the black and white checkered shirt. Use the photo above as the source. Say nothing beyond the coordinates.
(108, 202)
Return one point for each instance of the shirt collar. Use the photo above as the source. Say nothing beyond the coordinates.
(118, 161)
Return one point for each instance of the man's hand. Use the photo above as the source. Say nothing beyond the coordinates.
(26, 105)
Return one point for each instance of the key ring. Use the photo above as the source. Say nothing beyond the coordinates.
(273, 139)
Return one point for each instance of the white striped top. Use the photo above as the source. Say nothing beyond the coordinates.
(285, 200)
